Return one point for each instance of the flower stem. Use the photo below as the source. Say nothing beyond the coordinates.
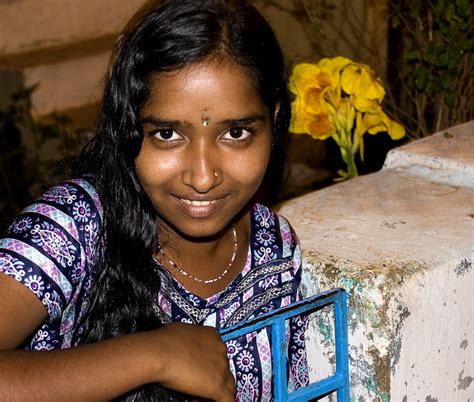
(348, 153)
(351, 165)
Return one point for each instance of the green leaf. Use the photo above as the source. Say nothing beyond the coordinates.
(421, 79)
(445, 80)
(414, 55)
(438, 9)
(466, 44)
(444, 59)
(444, 29)
(454, 56)
(450, 98)
(431, 88)
(463, 6)
(464, 26)
(450, 12)
(431, 54)
(413, 13)
(395, 21)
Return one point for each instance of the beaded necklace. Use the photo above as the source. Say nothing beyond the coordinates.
(206, 281)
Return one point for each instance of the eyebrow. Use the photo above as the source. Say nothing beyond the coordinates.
(246, 120)
(255, 118)
(157, 122)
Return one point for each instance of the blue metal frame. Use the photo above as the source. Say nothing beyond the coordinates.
(339, 381)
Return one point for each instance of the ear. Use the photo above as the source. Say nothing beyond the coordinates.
(275, 115)
(277, 110)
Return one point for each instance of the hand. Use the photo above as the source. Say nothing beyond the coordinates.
(193, 360)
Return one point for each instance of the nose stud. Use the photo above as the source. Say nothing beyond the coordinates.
(204, 118)
(216, 174)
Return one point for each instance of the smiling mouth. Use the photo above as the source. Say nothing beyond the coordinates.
(198, 203)
(200, 208)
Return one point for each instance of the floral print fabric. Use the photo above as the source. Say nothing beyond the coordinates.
(269, 281)
(50, 248)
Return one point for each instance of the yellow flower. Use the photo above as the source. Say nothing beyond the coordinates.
(319, 126)
(374, 120)
(360, 80)
(345, 115)
(382, 123)
(309, 83)
(340, 99)
(335, 65)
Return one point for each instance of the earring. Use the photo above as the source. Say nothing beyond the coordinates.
(204, 118)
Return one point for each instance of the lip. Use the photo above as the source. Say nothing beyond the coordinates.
(199, 207)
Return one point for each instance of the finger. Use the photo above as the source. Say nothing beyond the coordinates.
(232, 392)
(227, 397)
(230, 384)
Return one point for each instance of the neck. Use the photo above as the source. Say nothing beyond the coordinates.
(206, 258)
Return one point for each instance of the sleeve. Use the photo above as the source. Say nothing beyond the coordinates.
(296, 331)
(51, 246)
(291, 248)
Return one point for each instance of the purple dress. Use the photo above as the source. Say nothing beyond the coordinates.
(269, 280)
(51, 248)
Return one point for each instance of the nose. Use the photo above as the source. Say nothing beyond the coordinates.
(202, 171)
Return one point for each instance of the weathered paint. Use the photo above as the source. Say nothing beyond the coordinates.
(441, 318)
(402, 243)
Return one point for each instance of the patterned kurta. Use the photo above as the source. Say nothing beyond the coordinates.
(269, 280)
(52, 246)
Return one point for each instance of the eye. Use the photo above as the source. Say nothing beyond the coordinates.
(237, 134)
(167, 134)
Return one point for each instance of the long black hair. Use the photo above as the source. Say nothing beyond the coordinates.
(164, 36)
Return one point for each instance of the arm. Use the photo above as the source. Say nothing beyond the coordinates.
(38, 284)
(185, 358)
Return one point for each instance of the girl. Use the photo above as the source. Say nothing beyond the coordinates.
(105, 273)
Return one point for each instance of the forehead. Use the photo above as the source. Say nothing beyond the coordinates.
(221, 87)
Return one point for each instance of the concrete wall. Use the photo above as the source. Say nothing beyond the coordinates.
(401, 242)
(62, 45)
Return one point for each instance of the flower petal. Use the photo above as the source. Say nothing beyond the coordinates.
(334, 65)
(367, 105)
(361, 81)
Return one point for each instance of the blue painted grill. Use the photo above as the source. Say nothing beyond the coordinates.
(339, 381)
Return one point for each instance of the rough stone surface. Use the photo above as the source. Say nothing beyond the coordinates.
(402, 245)
(445, 157)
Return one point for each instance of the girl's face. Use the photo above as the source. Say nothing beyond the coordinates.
(206, 147)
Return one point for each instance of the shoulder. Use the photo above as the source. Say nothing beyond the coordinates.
(71, 208)
(70, 195)
(51, 246)
(272, 234)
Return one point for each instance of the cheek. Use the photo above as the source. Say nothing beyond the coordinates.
(250, 168)
(153, 169)
(144, 169)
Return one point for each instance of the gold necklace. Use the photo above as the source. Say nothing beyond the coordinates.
(206, 281)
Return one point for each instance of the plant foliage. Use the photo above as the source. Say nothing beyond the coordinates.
(34, 153)
(435, 65)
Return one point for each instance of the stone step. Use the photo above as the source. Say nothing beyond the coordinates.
(401, 242)
(446, 157)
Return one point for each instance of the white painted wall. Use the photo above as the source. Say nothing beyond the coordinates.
(401, 242)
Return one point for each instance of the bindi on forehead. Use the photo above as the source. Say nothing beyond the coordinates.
(205, 118)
